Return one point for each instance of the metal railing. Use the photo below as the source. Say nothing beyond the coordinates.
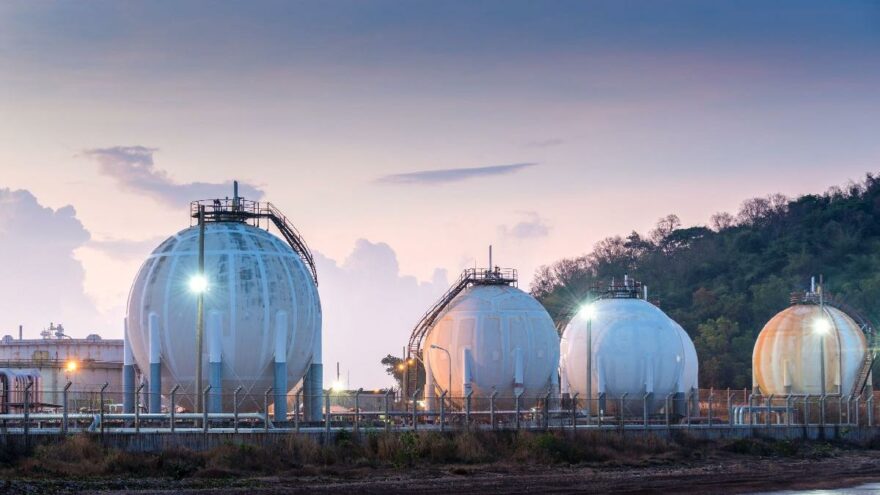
(100, 411)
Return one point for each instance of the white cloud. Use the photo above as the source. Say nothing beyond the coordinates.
(369, 309)
(533, 226)
(42, 280)
(133, 168)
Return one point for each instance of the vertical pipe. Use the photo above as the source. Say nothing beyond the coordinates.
(103, 388)
(430, 393)
(316, 380)
(20, 333)
(155, 390)
(127, 372)
(518, 371)
(467, 377)
(200, 315)
(281, 366)
(215, 362)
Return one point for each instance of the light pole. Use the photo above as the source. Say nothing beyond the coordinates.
(589, 311)
(199, 284)
(449, 368)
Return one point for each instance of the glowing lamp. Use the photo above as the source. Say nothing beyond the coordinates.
(198, 284)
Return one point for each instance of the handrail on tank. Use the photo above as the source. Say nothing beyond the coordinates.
(251, 212)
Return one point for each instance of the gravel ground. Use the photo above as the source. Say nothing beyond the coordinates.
(729, 475)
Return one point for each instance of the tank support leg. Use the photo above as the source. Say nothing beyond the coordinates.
(155, 394)
(127, 374)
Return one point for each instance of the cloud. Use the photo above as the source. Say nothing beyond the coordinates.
(545, 143)
(42, 279)
(532, 227)
(126, 249)
(442, 176)
(369, 310)
(132, 167)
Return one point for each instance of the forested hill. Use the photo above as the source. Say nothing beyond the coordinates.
(722, 282)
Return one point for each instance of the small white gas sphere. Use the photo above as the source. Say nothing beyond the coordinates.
(788, 353)
(636, 349)
(492, 334)
(254, 286)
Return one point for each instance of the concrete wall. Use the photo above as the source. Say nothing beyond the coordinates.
(155, 442)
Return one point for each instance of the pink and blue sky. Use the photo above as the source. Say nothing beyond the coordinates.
(404, 137)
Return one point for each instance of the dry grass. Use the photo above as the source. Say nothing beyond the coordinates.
(81, 457)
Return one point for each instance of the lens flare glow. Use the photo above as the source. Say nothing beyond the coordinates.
(588, 311)
(198, 284)
(822, 326)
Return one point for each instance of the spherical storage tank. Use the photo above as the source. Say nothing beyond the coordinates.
(498, 338)
(788, 353)
(260, 298)
(635, 349)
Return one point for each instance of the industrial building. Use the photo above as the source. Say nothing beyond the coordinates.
(53, 361)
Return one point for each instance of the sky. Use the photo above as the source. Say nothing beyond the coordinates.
(403, 138)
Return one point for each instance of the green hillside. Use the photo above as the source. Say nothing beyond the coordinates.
(722, 282)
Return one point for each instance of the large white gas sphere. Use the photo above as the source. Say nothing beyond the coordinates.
(486, 329)
(789, 351)
(255, 285)
(636, 348)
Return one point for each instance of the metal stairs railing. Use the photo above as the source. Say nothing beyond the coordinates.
(469, 277)
(292, 236)
(865, 373)
(246, 211)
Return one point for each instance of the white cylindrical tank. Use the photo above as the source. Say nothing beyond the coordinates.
(788, 353)
(496, 336)
(636, 349)
(255, 282)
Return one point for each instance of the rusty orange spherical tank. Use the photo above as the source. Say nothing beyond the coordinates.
(792, 346)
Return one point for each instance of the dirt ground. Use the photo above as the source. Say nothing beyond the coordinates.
(728, 475)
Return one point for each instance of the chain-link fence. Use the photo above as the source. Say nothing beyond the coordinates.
(99, 409)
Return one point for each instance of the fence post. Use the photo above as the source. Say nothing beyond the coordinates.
(64, 409)
(788, 409)
(729, 409)
(205, 421)
(711, 397)
(173, 406)
(387, 411)
(517, 400)
(266, 409)
(822, 415)
(769, 402)
(443, 410)
(547, 409)
(103, 388)
(415, 411)
(574, 401)
(357, 410)
(467, 413)
(235, 408)
(622, 404)
(137, 408)
(807, 410)
(687, 408)
(296, 403)
(645, 410)
(666, 411)
(857, 400)
(27, 414)
(327, 418)
(492, 407)
(869, 408)
(840, 409)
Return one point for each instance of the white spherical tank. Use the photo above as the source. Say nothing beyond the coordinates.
(498, 338)
(789, 352)
(260, 297)
(635, 349)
